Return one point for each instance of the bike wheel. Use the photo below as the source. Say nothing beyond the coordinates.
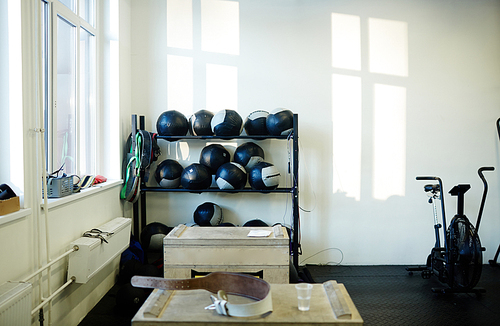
(466, 260)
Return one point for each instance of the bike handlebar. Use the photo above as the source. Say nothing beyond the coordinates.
(427, 178)
(485, 191)
(485, 168)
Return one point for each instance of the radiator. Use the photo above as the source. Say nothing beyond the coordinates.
(94, 254)
(15, 303)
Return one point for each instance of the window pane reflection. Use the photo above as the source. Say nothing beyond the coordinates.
(66, 96)
(87, 11)
(87, 103)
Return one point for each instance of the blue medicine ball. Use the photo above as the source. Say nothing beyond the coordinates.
(255, 123)
(196, 176)
(248, 154)
(200, 123)
(213, 156)
(168, 174)
(208, 214)
(172, 123)
(231, 176)
(279, 122)
(227, 123)
(264, 176)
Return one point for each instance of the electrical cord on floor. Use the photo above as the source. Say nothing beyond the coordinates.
(328, 263)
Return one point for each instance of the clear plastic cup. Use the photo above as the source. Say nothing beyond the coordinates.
(304, 291)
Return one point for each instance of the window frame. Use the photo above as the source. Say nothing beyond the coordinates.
(57, 11)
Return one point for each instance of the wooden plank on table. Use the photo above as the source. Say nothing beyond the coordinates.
(157, 304)
(337, 300)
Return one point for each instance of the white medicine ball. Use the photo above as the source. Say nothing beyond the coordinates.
(255, 123)
(248, 154)
(227, 123)
(208, 214)
(264, 176)
(279, 122)
(231, 176)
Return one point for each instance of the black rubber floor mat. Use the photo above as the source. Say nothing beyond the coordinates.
(388, 295)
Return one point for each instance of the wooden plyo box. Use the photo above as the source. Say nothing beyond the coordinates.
(188, 308)
(191, 251)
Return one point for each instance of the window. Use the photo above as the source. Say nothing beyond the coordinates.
(70, 108)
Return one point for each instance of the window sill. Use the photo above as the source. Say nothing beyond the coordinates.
(4, 219)
(55, 202)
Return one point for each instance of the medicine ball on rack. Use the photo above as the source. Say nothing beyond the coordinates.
(264, 176)
(231, 176)
(279, 122)
(208, 214)
(213, 156)
(152, 236)
(226, 224)
(248, 154)
(168, 174)
(200, 123)
(172, 123)
(227, 123)
(255, 222)
(255, 123)
(196, 177)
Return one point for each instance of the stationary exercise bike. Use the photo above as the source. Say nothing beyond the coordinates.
(459, 263)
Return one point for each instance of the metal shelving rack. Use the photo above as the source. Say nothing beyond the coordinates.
(139, 207)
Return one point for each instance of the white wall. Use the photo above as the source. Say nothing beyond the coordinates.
(412, 90)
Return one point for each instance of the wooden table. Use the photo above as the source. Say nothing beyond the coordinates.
(188, 308)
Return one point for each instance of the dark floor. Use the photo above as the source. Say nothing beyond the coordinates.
(383, 295)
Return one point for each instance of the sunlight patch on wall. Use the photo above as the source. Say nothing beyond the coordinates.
(15, 94)
(220, 26)
(180, 24)
(346, 129)
(388, 44)
(389, 141)
(180, 84)
(222, 87)
(114, 104)
(346, 41)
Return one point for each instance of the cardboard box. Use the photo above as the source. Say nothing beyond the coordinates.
(10, 205)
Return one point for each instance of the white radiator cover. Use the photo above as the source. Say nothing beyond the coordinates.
(93, 254)
(15, 303)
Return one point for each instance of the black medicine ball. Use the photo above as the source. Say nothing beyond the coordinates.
(279, 122)
(213, 156)
(152, 236)
(129, 269)
(255, 123)
(248, 154)
(196, 177)
(150, 270)
(168, 174)
(255, 222)
(227, 123)
(264, 176)
(227, 224)
(231, 176)
(208, 214)
(200, 123)
(172, 123)
(130, 298)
